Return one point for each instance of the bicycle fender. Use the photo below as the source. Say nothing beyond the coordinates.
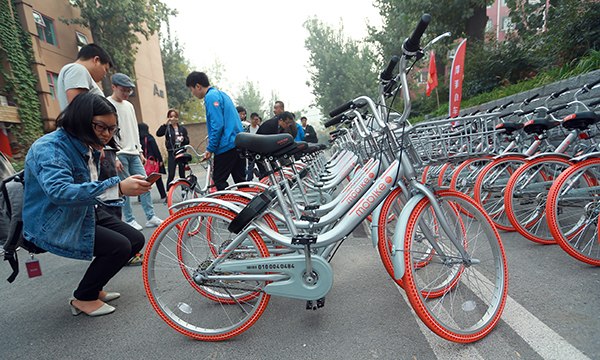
(198, 201)
(397, 253)
(374, 226)
(585, 157)
(565, 156)
(502, 156)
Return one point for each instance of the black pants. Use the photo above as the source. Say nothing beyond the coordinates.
(228, 163)
(115, 243)
(161, 188)
(171, 169)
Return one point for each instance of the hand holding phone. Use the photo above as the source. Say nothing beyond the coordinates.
(152, 178)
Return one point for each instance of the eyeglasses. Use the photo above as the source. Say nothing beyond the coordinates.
(100, 127)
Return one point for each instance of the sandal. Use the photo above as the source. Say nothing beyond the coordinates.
(136, 260)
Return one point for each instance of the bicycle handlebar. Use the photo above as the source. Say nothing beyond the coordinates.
(386, 75)
(530, 99)
(556, 94)
(336, 120)
(340, 109)
(412, 44)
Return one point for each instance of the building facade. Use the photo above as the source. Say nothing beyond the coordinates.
(55, 44)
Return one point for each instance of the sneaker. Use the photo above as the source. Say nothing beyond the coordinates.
(136, 260)
(153, 222)
(134, 224)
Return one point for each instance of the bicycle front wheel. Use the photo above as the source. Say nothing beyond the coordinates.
(459, 299)
(573, 211)
(210, 310)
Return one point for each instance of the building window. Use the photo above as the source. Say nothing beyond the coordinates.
(45, 28)
(82, 40)
(507, 24)
(52, 80)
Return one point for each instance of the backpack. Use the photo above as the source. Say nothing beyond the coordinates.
(11, 223)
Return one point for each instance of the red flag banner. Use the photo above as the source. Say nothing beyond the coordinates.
(456, 78)
(432, 80)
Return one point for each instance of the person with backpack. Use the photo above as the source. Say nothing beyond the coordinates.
(61, 194)
(154, 160)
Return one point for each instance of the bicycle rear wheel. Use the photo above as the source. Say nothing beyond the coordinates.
(212, 310)
(458, 300)
(573, 211)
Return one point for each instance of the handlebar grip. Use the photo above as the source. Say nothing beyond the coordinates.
(530, 99)
(589, 86)
(341, 109)
(412, 43)
(594, 103)
(336, 120)
(555, 109)
(386, 75)
(504, 106)
(556, 94)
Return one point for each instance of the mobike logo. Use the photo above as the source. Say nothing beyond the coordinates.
(283, 141)
(373, 196)
(354, 193)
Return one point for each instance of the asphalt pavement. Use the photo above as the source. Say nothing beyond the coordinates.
(552, 313)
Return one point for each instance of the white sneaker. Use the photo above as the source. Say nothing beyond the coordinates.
(153, 222)
(134, 224)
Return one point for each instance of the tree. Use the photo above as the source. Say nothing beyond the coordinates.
(176, 68)
(115, 25)
(250, 98)
(341, 69)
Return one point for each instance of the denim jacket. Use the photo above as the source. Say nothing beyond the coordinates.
(59, 197)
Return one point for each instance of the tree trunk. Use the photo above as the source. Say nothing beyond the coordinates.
(476, 24)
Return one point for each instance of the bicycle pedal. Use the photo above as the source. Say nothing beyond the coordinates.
(320, 302)
(311, 305)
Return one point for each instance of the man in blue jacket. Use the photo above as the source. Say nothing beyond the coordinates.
(223, 124)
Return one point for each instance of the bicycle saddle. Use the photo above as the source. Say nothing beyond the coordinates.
(581, 120)
(538, 126)
(509, 127)
(264, 144)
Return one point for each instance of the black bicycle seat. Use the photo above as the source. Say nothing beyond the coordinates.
(538, 126)
(264, 144)
(509, 127)
(581, 120)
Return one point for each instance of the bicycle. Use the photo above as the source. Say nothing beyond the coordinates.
(458, 289)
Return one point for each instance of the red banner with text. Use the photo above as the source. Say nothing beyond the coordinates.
(456, 79)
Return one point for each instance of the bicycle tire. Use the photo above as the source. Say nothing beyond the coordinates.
(466, 311)
(178, 192)
(201, 311)
(465, 175)
(573, 213)
(526, 195)
(490, 187)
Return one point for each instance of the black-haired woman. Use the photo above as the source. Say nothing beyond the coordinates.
(61, 193)
(151, 151)
(175, 136)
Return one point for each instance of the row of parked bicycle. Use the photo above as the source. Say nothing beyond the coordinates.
(211, 267)
(540, 175)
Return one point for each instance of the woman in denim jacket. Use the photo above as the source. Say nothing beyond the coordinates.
(62, 191)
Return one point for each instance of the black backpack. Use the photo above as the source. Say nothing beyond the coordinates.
(11, 222)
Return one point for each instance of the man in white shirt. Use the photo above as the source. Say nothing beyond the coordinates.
(130, 157)
(91, 66)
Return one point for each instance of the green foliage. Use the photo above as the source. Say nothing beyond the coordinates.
(16, 48)
(251, 99)
(176, 68)
(115, 25)
(341, 69)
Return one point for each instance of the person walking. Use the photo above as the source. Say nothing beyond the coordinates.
(130, 157)
(176, 136)
(310, 135)
(60, 197)
(152, 153)
(223, 124)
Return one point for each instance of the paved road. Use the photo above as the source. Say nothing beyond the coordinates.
(553, 313)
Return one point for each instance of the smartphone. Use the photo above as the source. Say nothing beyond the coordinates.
(152, 178)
